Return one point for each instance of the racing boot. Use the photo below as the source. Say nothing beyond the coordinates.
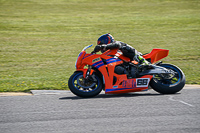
(142, 60)
(143, 63)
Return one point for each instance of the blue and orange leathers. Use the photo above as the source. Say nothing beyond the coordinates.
(115, 83)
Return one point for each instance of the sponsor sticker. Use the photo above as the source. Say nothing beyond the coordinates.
(95, 60)
(116, 86)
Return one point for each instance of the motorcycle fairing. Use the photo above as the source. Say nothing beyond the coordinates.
(122, 84)
(130, 85)
(98, 64)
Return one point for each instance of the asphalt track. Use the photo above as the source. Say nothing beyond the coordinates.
(142, 112)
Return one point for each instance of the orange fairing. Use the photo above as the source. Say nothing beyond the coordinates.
(156, 55)
(124, 85)
(79, 59)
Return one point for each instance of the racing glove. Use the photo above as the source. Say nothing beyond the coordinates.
(99, 47)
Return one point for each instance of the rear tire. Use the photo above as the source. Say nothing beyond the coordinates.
(78, 87)
(169, 86)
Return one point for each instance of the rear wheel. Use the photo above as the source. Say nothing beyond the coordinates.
(84, 88)
(170, 83)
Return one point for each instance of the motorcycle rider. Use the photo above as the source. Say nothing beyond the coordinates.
(107, 41)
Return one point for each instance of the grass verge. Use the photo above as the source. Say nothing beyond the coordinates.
(40, 40)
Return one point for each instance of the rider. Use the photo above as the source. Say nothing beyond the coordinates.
(107, 41)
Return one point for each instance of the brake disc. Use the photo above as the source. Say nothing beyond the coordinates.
(81, 81)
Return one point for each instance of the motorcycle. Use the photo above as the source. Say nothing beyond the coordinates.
(115, 74)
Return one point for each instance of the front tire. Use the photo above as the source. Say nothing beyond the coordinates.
(79, 87)
(170, 85)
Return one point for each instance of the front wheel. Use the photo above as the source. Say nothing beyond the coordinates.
(170, 83)
(84, 88)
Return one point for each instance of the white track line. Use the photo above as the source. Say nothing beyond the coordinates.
(171, 98)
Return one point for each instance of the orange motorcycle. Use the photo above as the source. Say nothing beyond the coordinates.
(115, 73)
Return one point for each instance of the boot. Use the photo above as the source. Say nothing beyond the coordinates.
(142, 60)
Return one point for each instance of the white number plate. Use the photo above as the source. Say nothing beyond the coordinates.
(142, 82)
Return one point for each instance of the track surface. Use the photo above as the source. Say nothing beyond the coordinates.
(144, 112)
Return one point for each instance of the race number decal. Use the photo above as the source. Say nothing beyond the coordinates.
(142, 82)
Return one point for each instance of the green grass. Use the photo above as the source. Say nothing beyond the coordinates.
(40, 39)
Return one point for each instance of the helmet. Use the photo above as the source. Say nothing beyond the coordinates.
(105, 39)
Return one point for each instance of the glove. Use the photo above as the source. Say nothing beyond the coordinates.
(99, 47)
(103, 47)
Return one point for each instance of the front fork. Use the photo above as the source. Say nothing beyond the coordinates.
(88, 74)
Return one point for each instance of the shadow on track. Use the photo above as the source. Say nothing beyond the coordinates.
(112, 96)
